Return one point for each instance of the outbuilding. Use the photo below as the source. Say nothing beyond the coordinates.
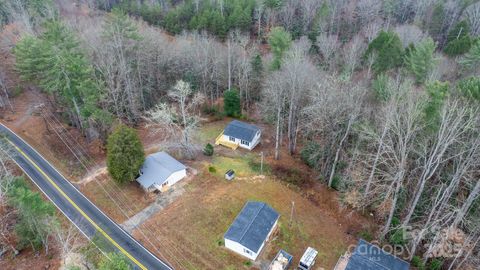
(160, 171)
(239, 134)
(370, 257)
(251, 229)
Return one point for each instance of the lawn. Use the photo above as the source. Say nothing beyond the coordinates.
(117, 201)
(189, 232)
(209, 132)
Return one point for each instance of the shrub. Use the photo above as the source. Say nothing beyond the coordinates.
(470, 88)
(435, 264)
(115, 261)
(417, 262)
(365, 235)
(212, 169)
(247, 263)
(397, 237)
(208, 150)
(310, 154)
(380, 87)
(125, 154)
(336, 181)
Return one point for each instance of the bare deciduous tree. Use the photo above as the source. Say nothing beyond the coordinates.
(178, 121)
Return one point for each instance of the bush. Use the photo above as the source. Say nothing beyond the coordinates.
(364, 234)
(125, 154)
(435, 264)
(212, 169)
(247, 263)
(208, 150)
(115, 261)
(336, 181)
(417, 262)
(397, 237)
(310, 154)
(380, 87)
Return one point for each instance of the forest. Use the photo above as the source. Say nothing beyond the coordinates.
(380, 98)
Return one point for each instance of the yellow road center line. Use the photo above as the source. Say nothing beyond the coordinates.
(78, 208)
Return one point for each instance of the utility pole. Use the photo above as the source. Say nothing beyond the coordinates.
(291, 214)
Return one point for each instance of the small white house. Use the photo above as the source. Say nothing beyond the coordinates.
(251, 229)
(160, 171)
(239, 134)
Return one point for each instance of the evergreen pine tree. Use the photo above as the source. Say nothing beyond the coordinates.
(125, 154)
(231, 103)
(420, 61)
(388, 49)
(279, 41)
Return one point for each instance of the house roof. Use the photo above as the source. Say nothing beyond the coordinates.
(157, 168)
(241, 130)
(370, 257)
(252, 225)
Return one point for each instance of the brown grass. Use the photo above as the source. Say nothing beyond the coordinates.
(189, 232)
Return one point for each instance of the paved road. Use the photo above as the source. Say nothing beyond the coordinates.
(77, 208)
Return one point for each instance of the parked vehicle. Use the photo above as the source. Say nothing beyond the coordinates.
(308, 259)
(281, 262)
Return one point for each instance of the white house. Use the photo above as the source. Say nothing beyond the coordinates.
(251, 229)
(239, 134)
(160, 171)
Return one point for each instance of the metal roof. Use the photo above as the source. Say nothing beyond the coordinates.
(241, 130)
(309, 256)
(157, 168)
(252, 225)
(370, 257)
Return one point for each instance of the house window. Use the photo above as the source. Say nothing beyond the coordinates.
(231, 139)
(245, 143)
(247, 251)
(165, 183)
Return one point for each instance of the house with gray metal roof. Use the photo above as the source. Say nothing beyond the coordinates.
(160, 171)
(239, 134)
(251, 229)
(370, 257)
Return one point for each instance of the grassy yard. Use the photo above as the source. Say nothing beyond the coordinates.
(208, 133)
(189, 232)
(117, 201)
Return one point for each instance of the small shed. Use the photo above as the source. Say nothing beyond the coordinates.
(230, 174)
(281, 262)
(251, 229)
(239, 134)
(160, 171)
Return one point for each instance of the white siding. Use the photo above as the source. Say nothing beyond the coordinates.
(176, 176)
(252, 144)
(239, 249)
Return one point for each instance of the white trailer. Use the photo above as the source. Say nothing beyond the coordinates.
(308, 259)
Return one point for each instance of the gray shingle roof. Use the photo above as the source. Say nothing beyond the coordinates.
(241, 130)
(370, 257)
(157, 168)
(252, 225)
